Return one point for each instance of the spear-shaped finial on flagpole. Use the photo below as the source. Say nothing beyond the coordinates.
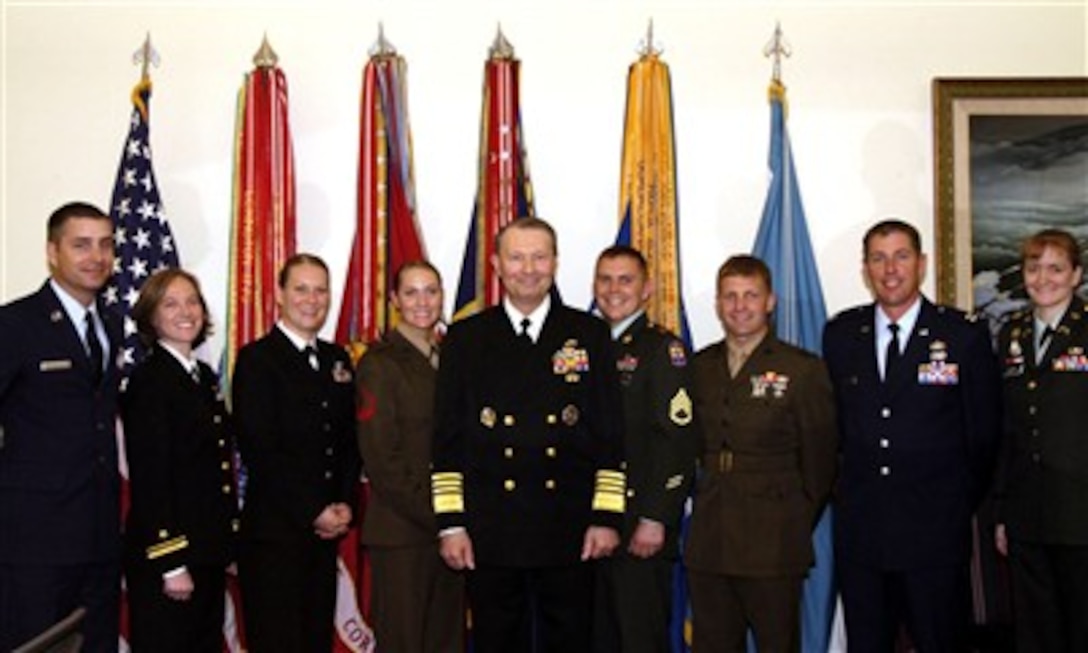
(647, 48)
(500, 47)
(145, 56)
(266, 56)
(382, 47)
(777, 48)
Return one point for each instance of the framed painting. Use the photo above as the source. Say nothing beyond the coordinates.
(1011, 158)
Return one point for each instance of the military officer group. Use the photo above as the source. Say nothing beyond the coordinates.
(529, 469)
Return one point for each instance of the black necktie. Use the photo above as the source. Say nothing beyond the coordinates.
(524, 333)
(94, 346)
(311, 355)
(893, 355)
(1044, 342)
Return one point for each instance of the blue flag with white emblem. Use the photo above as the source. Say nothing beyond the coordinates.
(783, 244)
(143, 243)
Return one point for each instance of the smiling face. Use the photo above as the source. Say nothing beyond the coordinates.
(744, 306)
(894, 270)
(1051, 279)
(419, 298)
(179, 316)
(620, 287)
(303, 299)
(526, 262)
(81, 256)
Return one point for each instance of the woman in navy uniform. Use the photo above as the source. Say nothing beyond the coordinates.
(177, 437)
(294, 403)
(417, 601)
(1042, 483)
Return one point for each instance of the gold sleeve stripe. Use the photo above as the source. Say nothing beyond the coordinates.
(161, 549)
(447, 492)
(610, 494)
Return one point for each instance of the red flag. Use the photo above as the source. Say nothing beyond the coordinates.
(387, 235)
(263, 216)
(262, 238)
(387, 230)
(504, 191)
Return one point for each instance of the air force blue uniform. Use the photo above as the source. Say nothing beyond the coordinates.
(60, 541)
(917, 454)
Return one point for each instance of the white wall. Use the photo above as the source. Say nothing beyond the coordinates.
(859, 86)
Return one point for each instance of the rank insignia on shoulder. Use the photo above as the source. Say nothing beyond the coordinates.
(677, 356)
(674, 482)
(368, 405)
(680, 408)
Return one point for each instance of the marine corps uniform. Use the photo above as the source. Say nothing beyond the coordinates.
(768, 461)
(527, 456)
(417, 602)
(660, 446)
(1042, 485)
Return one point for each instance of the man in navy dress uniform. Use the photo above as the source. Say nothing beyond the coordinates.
(918, 398)
(60, 536)
(526, 480)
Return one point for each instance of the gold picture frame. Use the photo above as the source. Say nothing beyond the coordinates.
(1022, 127)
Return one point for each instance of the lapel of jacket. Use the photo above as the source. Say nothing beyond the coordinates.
(507, 363)
(553, 335)
(864, 349)
(285, 350)
(1073, 322)
(112, 322)
(413, 359)
(917, 351)
(62, 329)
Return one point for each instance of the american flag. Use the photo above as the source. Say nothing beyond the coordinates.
(143, 243)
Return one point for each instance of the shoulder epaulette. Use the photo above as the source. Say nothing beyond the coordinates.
(848, 312)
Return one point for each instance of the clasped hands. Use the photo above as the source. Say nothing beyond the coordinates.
(333, 521)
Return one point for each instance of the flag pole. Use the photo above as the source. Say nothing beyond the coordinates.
(146, 56)
(265, 57)
(504, 191)
(783, 243)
